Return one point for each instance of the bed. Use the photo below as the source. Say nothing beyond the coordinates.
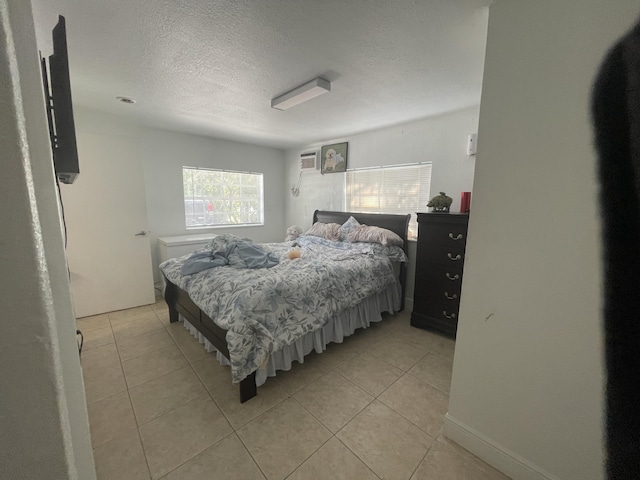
(249, 343)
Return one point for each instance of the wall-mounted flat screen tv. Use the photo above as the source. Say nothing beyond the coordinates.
(57, 89)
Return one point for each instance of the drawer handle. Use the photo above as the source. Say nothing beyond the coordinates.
(457, 257)
(451, 297)
(453, 315)
(457, 237)
(455, 277)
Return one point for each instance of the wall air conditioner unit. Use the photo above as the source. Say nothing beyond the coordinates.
(308, 162)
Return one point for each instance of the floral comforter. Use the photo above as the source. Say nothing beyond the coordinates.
(266, 309)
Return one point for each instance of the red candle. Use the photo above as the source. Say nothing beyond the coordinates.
(465, 202)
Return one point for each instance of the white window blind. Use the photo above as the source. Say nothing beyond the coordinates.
(395, 189)
(222, 197)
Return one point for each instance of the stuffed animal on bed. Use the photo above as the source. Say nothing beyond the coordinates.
(293, 232)
(295, 253)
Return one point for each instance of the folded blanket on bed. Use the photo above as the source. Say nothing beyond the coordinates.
(229, 250)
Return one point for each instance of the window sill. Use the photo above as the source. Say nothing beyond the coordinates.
(214, 227)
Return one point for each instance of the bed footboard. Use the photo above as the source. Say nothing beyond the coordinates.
(179, 303)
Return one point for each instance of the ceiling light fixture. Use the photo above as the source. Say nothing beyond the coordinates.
(125, 100)
(300, 94)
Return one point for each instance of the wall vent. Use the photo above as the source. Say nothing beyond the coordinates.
(308, 162)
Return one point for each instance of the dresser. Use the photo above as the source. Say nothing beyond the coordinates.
(442, 238)
(172, 247)
(176, 246)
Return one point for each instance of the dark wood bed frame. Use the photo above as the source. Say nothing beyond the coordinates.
(179, 301)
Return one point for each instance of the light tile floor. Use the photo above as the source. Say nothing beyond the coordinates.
(160, 407)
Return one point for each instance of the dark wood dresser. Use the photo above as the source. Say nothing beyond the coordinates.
(442, 238)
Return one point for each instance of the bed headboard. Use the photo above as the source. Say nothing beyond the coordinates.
(396, 223)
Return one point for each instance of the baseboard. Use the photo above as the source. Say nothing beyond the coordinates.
(495, 455)
(408, 304)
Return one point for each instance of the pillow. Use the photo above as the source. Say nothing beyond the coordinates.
(347, 227)
(330, 231)
(370, 234)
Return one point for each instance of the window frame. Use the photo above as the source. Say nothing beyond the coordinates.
(212, 200)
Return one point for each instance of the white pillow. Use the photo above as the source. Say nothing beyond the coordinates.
(347, 227)
(371, 234)
(330, 231)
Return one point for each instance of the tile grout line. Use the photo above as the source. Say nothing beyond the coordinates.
(166, 327)
(135, 416)
(121, 370)
(249, 452)
(154, 378)
(174, 408)
(311, 455)
(199, 453)
(133, 411)
(144, 452)
(323, 443)
(354, 453)
(289, 395)
(153, 351)
(202, 383)
(326, 426)
(235, 430)
(394, 410)
(466, 460)
(335, 435)
(150, 351)
(397, 413)
(422, 459)
(423, 382)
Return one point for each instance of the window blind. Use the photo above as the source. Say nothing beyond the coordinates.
(399, 189)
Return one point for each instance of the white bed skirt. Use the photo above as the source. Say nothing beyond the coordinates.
(338, 327)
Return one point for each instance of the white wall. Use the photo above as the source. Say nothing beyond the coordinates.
(45, 431)
(528, 379)
(165, 153)
(441, 140)
(162, 155)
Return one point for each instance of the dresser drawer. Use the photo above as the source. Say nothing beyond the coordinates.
(435, 245)
(443, 256)
(444, 316)
(435, 303)
(437, 277)
(445, 237)
(438, 319)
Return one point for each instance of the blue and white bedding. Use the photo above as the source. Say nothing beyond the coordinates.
(263, 310)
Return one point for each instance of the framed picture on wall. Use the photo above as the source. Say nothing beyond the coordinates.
(334, 158)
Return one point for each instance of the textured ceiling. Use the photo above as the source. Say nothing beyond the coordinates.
(211, 67)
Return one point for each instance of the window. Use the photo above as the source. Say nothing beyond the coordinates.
(221, 197)
(395, 189)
